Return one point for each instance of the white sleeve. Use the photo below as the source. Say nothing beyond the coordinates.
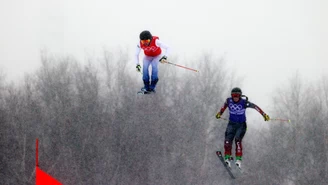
(136, 56)
(163, 46)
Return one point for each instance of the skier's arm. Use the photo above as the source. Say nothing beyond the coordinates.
(162, 45)
(136, 56)
(136, 59)
(258, 109)
(223, 108)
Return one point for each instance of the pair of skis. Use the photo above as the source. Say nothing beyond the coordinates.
(219, 154)
(145, 92)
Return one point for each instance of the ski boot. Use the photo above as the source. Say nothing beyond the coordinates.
(238, 161)
(227, 160)
(144, 89)
(151, 90)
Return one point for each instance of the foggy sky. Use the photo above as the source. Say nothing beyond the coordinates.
(265, 41)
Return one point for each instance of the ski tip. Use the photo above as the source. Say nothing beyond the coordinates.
(218, 153)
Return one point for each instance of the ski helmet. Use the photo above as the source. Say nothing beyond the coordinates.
(237, 91)
(144, 35)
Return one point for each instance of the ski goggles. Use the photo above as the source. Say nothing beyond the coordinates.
(145, 41)
(235, 95)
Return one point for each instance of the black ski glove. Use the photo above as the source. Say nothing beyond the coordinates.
(138, 67)
(163, 59)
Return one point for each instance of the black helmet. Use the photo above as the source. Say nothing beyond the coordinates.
(144, 35)
(236, 90)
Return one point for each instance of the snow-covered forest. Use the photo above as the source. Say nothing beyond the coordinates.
(95, 130)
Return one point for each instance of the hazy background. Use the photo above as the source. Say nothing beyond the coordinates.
(269, 39)
(265, 47)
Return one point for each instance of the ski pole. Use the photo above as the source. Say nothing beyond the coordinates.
(139, 71)
(279, 119)
(224, 119)
(181, 66)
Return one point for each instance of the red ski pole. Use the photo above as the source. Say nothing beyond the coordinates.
(182, 66)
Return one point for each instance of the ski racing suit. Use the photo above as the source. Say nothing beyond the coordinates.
(153, 53)
(237, 126)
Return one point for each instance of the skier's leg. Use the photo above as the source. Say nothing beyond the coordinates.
(240, 133)
(154, 73)
(229, 135)
(145, 72)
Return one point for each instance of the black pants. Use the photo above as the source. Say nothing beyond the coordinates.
(234, 131)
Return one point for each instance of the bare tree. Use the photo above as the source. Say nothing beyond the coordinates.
(95, 129)
(298, 146)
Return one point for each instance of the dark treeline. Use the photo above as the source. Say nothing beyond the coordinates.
(94, 129)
